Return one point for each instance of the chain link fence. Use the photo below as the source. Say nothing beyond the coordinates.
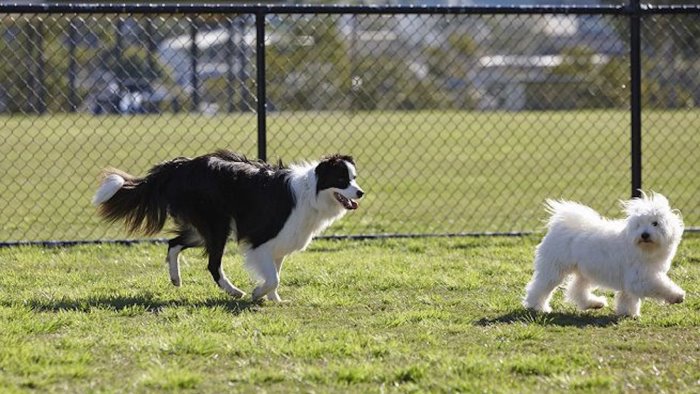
(460, 120)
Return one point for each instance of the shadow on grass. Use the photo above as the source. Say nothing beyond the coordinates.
(146, 302)
(553, 319)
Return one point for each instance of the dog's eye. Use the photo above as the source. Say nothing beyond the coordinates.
(654, 224)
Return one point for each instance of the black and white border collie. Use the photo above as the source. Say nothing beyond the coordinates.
(271, 210)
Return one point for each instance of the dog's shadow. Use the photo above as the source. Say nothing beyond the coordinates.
(554, 319)
(146, 302)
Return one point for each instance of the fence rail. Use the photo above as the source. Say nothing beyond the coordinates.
(462, 119)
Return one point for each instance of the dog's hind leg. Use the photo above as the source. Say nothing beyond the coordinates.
(540, 289)
(215, 245)
(580, 292)
(187, 238)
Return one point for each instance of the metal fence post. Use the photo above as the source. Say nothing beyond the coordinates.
(152, 49)
(194, 54)
(72, 66)
(262, 98)
(230, 49)
(243, 53)
(636, 97)
(40, 105)
(117, 51)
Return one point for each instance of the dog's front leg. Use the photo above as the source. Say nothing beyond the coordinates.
(627, 304)
(662, 287)
(273, 296)
(261, 262)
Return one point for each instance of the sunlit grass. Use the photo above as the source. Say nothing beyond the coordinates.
(418, 315)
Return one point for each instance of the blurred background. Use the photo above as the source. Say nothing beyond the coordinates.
(461, 122)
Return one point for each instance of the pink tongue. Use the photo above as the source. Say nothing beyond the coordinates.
(353, 204)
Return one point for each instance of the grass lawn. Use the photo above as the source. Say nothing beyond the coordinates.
(398, 315)
(424, 171)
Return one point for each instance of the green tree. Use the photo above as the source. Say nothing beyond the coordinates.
(670, 56)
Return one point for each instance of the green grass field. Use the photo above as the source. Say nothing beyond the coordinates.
(401, 315)
(435, 172)
(421, 315)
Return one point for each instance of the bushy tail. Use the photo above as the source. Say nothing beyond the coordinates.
(570, 214)
(140, 202)
(110, 185)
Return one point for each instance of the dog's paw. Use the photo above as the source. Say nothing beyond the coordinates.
(274, 297)
(230, 289)
(676, 298)
(597, 304)
(538, 308)
(535, 305)
(257, 301)
(258, 295)
(630, 314)
(235, 293)
(176, 282)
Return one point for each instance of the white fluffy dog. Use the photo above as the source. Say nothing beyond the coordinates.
(630, 256)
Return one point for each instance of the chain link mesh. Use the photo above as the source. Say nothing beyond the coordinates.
(458, 123)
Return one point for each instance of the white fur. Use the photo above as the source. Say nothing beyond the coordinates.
(174, 264)
(613, 254)
(108, 188)
(312, 214)
(351, 191)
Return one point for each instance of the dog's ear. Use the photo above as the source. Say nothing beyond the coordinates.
(329, 162)
(322, 167)
(678, 217)
(347, 158)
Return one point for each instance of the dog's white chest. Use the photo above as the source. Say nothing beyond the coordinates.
(296, 234)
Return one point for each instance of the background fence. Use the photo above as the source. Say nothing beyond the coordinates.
(461, 120)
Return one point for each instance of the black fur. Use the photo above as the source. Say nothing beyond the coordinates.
(333, 172)
(204, 195)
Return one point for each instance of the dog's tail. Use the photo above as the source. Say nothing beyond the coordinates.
(570, 214)
(140, 202)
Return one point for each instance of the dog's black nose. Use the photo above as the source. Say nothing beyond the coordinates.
(645, 236)
(360, 193)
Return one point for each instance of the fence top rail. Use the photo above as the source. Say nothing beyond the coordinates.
(670, 9)
(176, 8)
